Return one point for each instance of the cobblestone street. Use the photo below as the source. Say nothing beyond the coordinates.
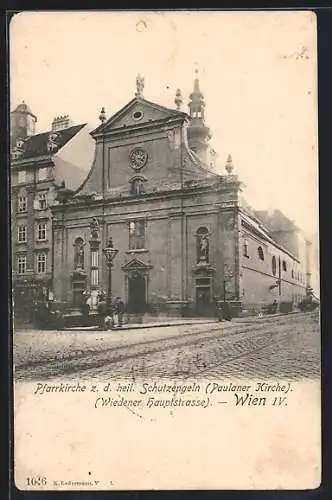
(286, 346)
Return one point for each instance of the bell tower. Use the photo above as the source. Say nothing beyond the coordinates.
(23, 123)
(198, 133)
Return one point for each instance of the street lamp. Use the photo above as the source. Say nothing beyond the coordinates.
(110, 252)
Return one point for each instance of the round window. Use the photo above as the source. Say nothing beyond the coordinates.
(138, 158)
(138, 115)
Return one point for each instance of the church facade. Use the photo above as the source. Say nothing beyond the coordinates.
(183, 233)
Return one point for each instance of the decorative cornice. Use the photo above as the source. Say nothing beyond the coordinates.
(205, 269)
(15, 164)
(227, 204)
(203, 187)
(167, 123)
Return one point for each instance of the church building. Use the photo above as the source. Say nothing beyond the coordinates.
(182, 234)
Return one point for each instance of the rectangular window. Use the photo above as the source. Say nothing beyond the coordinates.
(137, 235)
(22, 234)
(21, 264)
(41, 231)
(22, 204)
(41, 263)
(42, 201)
(21, 176)
(42, 174)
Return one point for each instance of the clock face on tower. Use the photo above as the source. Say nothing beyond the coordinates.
(138, 158)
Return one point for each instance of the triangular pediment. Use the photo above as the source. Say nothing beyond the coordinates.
(136, 264)
(137, 112)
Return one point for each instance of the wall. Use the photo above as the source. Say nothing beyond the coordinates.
(31, 218)
(112, 163)
(79, 151)
(171, 224)
(161, 161)
(158, 132)
(257, 276)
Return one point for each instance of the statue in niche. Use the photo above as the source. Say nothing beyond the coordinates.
(203, 246)
(79, 254)
(80, 257)
(94, 228)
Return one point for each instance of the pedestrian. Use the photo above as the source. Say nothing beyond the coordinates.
(108, 321)
(102, 310)
(119, 311)
(59, 319)
(218, 309)
(274, 306)
(85, 312)
(109, 317)
(227, 313)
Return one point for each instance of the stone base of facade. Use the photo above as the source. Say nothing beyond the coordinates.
(177, 308)
(235, 307)
(249, 309)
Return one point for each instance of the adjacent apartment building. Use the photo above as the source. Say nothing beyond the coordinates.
(40, 164)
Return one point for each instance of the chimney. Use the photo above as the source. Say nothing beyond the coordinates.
(61, 123)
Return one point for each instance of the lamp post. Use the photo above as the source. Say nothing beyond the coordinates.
(110, 252)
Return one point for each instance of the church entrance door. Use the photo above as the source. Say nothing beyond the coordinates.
(78, 286)
(203, 301)
(136, 294)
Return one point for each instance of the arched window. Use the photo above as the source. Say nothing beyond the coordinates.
(79, 253)
(137, 185)
(274, 266)
(284, 265)
(202, 245)
(292, 273)
(260, 253)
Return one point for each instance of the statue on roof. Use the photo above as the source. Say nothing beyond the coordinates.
(94, 228)
(139, 86)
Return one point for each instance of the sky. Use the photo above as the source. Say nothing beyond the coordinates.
(257, 70)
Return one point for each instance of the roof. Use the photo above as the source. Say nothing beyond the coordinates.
(276, 221)
(136, 100)
(36, 145)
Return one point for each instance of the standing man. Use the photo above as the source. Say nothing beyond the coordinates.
(274, 306)
(218, 309)
(227, 311)
(119, 311)
(102, 310)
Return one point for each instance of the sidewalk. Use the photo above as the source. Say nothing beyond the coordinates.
(157, 324)
(180, 322)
